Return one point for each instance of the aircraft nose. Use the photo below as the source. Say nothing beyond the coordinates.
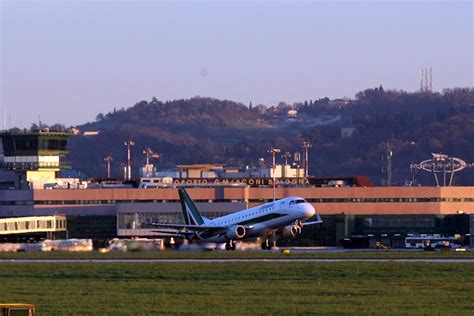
(309, 211)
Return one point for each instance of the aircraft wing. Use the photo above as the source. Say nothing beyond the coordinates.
(312, 223)
(172, 233)
(317, 221)
(188, 227)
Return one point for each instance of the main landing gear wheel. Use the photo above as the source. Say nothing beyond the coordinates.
(266, 245)
(230, 245)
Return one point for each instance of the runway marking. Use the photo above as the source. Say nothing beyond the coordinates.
(223, 260)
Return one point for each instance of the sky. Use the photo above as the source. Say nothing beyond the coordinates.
(66, 61)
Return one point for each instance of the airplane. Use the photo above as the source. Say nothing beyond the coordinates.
(282, 218)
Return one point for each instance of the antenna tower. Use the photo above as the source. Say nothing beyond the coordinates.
(422, 86)
(431, 79)
(426, 82)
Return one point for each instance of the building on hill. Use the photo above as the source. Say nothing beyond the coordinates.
(347, 132)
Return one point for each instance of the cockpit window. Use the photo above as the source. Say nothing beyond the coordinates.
(297, 202)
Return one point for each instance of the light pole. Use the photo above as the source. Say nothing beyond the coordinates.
(128, 175)
(261, 163)
(306, 146)
(108, 158)
(286, 155)
(274, 151)
(148, 152)
(412, 165)
(389, 164)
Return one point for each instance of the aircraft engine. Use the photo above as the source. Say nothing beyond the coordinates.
(291, 231)
(235, 232)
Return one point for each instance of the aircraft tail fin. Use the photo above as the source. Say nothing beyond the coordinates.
(191, 214)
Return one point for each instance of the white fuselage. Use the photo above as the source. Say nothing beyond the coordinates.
(261, 220)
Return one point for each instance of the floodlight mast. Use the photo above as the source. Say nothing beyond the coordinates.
(108, 159)
(128, 174)
(389, 164)
(273, 151)
(148, 152)
(306, 146)
(285, 156)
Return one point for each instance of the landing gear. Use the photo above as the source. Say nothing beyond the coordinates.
(266, 245)
(230, 245)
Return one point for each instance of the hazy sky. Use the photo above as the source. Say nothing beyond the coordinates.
(68, 60)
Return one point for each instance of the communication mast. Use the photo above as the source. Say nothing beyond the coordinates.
(426, 82)
(422, 86)
(431, 80)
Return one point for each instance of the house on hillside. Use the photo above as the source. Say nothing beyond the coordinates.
(347, 132)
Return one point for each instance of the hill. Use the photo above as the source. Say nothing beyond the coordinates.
(349, 136)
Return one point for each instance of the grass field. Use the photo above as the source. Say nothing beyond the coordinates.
(242, 254)
(241, 288)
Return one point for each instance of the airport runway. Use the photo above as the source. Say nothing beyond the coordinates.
(232, 260)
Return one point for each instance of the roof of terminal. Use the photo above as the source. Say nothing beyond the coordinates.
(33, 133)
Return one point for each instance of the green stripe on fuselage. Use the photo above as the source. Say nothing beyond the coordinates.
(261, 219)
(214, 232)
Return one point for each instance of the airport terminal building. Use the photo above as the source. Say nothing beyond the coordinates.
(369, 214)
(352, 210)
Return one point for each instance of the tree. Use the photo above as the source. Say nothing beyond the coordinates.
(57, 127)
(99, 117)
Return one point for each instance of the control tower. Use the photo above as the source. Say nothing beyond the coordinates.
(32, 159)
